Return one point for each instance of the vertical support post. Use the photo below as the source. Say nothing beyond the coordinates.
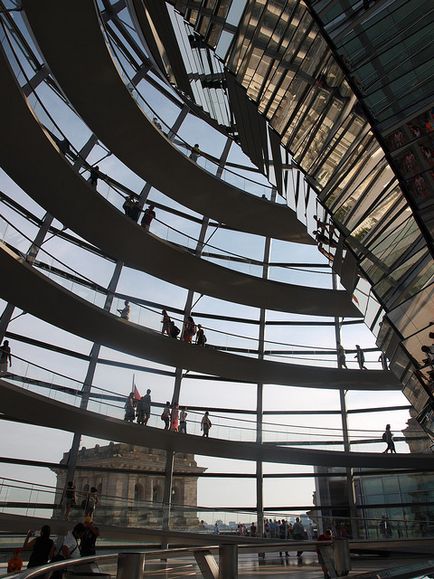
(187, 310)
(228, 562)
(130, 566)
(344, 418)
(259, 395)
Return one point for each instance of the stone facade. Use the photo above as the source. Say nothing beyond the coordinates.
(129, 499)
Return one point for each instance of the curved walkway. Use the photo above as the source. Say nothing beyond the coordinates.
(51, 182)
(86, 72)
(33, 292)
(42, 411)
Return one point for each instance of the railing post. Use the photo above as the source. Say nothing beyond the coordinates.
(228, 562)
(130, 566)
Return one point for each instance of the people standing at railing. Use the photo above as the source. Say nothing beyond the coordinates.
(148, 217)
(342, 361)
(94, 174)
(205, 424)
(174, 417)
(166, 321)
(125, 311)
(189, 330)
(130, 412)
(200, 336)
(165, 416)
(131, 207)
(195, 152)
(69, 498)
(183, 420)
(174, 330)
(360, 357)
(283, 534)
(90, 502)
(5, 357)
(42, 547)
(388, 438)
(144, 408)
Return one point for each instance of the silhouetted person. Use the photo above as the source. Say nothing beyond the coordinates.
(205, 424)
(298, 533)
(385, 527)
(166, 321)
(189, 330)
(131, 207)
(342, 362)
(94, 174)
(91, 502)
(183, 420)
(360, 356)
(42, 547)
(165, 416)
(157, 124)
(5, 357)
(148, 217)
(174, 330)
(144, 408)
(69, 498)
(125, 311)
(200, 336)
(130, 412)
(195, 152)
(174, 417)
(382, 358)
(88, 539)
(388, 438)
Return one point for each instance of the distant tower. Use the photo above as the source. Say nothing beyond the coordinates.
(129, 499)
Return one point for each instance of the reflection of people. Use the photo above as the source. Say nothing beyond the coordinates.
(148, 217)
(385, 527)
(69, 498)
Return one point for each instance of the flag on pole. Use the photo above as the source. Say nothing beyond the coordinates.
(135, 390)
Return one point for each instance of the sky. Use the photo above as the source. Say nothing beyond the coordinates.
(31, 442)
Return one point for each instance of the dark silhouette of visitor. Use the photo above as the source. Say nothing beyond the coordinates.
(69, 499)
(166, 321)
(5, 357)
(144, 408)
(195, 152)
(189, 330)
(125, 311)
(130, 412)
(174, 417)
(88, 541)
(383, 360)
(298, 533)
(183, 420)
(342, 361)
(200, 336)
(360, 356)
(94, 174)
(388, 437)
(42, 547)
(174, 330)
(148, 216)
(90, 502)
(205, 424)
(385, 527)
(165, 416)
(131, 207)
